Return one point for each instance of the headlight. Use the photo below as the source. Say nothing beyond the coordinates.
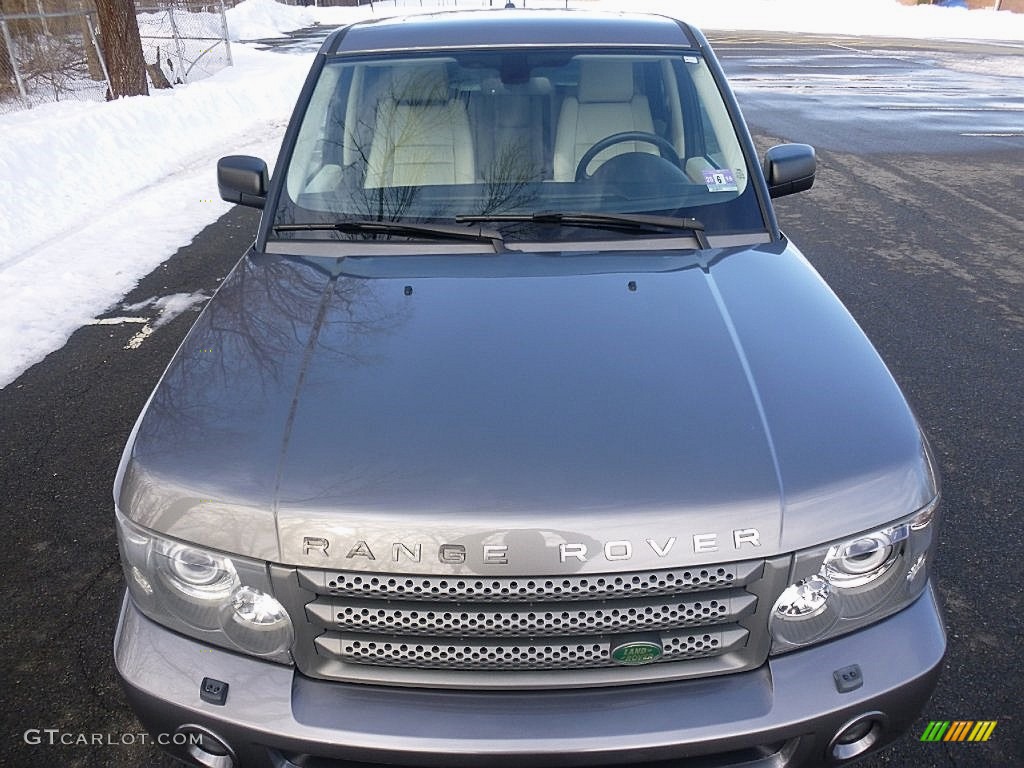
(192, 583)
(223, 600)
(255, 621)
(846, 585)
(865, 559)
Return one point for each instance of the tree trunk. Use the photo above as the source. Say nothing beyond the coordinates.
(122, 48)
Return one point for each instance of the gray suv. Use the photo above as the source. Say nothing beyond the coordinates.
(522, 435)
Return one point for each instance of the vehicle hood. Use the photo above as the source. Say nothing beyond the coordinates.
(524, 413)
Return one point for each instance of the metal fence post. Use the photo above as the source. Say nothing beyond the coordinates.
(10, 54)
(42, 17)
(99, 52)
(177, 45)
(224, 31)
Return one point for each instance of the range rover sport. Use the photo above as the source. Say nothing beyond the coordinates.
(523, 436)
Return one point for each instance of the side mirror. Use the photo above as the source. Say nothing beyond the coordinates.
(242, 180)
(789, 168)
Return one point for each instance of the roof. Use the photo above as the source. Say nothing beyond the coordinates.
(511, 27)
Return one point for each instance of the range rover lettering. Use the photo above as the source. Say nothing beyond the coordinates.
(522, 435)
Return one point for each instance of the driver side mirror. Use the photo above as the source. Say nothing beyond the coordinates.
(789, 168)
(242, 180)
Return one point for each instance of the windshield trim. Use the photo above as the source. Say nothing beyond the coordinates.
(642, 51)
(356, 248)
(473, 48)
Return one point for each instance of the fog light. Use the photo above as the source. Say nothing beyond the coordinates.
(204, 747)
(855, 732)
(858, 736)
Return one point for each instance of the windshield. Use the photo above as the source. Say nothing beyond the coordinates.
(426, 138)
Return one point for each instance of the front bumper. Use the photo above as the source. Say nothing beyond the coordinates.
(783, 715)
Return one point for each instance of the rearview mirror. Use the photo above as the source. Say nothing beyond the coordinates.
(789, 168)
(242, 180)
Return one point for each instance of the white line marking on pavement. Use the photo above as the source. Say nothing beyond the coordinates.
(118, 320)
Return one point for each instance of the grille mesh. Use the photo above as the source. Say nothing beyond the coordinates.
(570, 653)
(506, 589)
(524, 624)
(530, 620)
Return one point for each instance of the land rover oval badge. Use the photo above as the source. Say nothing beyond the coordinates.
(636, 652)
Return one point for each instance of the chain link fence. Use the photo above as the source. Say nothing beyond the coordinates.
(183, 41)
(57, 55)
(49, 56)
(442, 3)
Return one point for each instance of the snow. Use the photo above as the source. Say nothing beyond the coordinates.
(261, 19)
(848, 17)
(168, 307)
(96, 195)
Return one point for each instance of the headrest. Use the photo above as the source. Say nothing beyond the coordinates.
(420, 84)
(603, 80)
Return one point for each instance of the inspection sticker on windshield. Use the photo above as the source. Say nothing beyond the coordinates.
(720, 181)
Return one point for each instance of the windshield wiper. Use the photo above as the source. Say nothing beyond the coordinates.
(631, 222)
(374, 227)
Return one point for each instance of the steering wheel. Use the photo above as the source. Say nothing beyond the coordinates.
(664, 146)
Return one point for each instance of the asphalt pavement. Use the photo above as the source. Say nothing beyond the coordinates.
(62, 427)
(922, 241)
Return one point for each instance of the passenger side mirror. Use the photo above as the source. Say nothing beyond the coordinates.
(242, 180)
(789, 168)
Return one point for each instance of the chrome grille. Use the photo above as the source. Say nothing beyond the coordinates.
(558, 618)
(508, 589)
(568, 653)
(401, 629)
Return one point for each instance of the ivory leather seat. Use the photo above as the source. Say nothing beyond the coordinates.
(606, 103)
(422, 135)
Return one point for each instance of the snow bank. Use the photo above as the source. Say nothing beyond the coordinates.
(887, 18)
(97, 195)
(62, 164)
(264, 19)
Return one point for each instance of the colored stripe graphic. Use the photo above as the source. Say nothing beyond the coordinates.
(982, 730)
(959, 730)
(935, 731)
